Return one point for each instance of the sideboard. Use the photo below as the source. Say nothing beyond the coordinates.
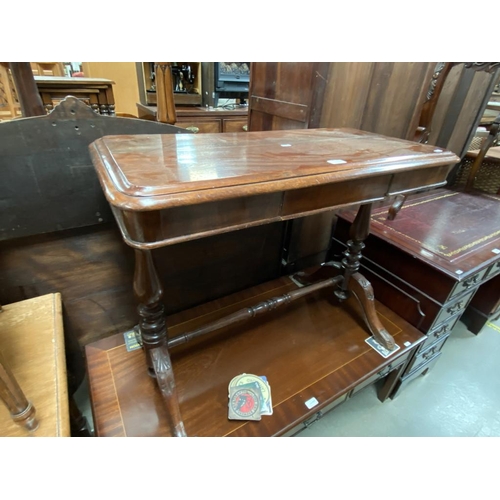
(203, 120)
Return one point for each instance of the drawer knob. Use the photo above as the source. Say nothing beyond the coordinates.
(245, 128)
(193, 129)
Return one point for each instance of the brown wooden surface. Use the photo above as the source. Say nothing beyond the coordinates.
(68, 81)
(203, 120)
(96, 92)
(12, 396)
(32, 340)
(312, 348)
(165, 93)
(285, 95)
(448, 230)
(194, 169)
(385, 98)
(93, 271)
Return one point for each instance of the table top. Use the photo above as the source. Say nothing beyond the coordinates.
(149, 172)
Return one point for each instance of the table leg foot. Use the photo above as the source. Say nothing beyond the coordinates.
(363, 291)
(153, 329)
(165, 378)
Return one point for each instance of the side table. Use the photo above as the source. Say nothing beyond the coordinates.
(168, 189)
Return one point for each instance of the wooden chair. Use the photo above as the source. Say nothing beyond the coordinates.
(480, 169)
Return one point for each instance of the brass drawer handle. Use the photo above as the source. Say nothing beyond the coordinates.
(193, 129)
(471, 282)
(245, 128)
(439, 333)
(429, 353)
(455, 308)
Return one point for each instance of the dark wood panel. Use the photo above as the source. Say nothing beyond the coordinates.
(321, 197)
(395, 99)
(93, 270)
(203, 219)
(346, 94)
(286, 96)
(48, 181)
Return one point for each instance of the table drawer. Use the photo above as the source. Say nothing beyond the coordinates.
(234, 125)
(200, 127)
(423, 357)
(469, 283)
(382, 372)
(454, 307)
(416, 373)
(440, 331)
(311, 420)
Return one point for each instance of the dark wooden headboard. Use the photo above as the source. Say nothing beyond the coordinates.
(48, 182)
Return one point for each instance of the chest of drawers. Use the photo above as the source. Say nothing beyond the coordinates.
(429, 263)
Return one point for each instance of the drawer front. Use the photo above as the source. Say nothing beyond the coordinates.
(454, 307)
(234, 125)
(494, 270)
(201, 127)
(382, 372)
(469, 283)
(417, 372)
(440, 331)
(424, 356)
(311, 420)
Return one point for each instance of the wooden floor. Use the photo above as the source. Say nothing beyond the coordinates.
(311, 348)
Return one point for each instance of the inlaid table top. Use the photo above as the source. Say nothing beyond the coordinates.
(158, 171)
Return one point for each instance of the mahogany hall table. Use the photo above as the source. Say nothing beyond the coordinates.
(165, 189)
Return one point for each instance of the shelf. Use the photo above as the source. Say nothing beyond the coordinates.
(312, 348)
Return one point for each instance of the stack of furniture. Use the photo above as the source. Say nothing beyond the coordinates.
(96, 92)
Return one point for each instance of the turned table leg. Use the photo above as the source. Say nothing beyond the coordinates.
(153, 328)
(358, 284)
(21, 410)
